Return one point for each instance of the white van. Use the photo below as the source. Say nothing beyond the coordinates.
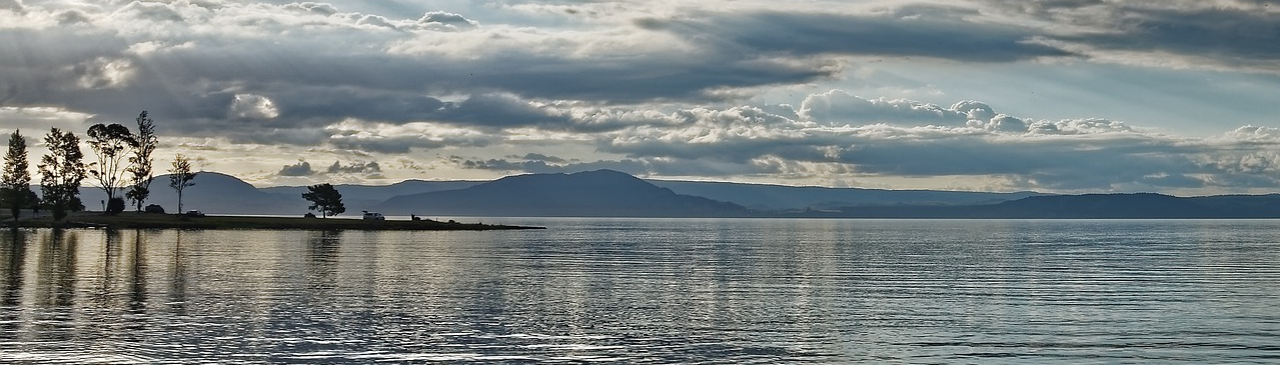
(373, 216)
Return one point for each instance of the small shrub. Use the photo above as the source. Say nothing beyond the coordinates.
(115, 206)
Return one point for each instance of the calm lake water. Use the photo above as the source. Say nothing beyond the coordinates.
(651, 291)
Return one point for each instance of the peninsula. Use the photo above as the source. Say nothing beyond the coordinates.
(133, 220)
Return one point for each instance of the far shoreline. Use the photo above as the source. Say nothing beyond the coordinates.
(137, 220)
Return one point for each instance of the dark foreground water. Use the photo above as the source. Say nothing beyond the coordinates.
(651, 291)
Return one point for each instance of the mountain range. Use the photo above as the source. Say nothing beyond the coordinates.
(607, 193)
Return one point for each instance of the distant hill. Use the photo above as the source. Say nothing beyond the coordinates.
(1088, 206)
(608, 193)
(779, 197)
(214, 193)
(367, 197)
(602, 193)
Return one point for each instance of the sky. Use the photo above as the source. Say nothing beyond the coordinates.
(1070, 96)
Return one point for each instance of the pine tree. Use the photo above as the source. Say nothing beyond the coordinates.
(15, 184)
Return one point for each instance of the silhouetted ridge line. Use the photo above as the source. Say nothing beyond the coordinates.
(1087, 206)
(600, 193)
(607, 193)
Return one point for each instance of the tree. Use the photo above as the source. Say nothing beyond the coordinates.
(180, 177)
(325, 199)
(61, 172)
(110, 143)
(33, 201)
(15, 184)
(140, 162)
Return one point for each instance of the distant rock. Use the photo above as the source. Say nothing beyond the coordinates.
(601, 193)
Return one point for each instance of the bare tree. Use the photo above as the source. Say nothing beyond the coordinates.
(180, 177)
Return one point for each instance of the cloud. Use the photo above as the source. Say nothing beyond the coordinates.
(542, 157)
(439, 20)
(498, 110)
(895, 140)
(616, 66)
(708, 90)
(634, 167)
(250, 106)
(354, 168)
(1215, 34)
(1255, 134)
(360, 135)
(12, 5)
(147, 11)
(938, 32)
(37, 120)
(302, 168)
(838, 107)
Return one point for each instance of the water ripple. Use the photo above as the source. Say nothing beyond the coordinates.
(650, 291)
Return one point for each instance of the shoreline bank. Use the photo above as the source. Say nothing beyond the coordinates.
(134, 220)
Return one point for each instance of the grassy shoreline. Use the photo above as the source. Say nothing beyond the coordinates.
(133, 220)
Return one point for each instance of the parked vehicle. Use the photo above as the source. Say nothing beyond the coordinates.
(373, 216)
(193, 213)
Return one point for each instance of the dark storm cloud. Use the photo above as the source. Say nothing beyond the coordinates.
(314, 81)
(1057, 165)
(498, 111)
(1216, 32)
(272, 136)
(33, 73)
(639, 167)
(542, 167)
(13, 5)
(542, 157)
(320, 105)
(659, 94)
(642, 78)
(920, 31)
(1241, 32)
(335, 72)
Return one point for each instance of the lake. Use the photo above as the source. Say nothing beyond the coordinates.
(728, 291)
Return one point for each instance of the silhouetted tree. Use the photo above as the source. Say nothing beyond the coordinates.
(140, 163)
(115, 205)
(324, 198)
(110, 142)
(61, 172)
(15, 184)
(180, 177)
(33, 201)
